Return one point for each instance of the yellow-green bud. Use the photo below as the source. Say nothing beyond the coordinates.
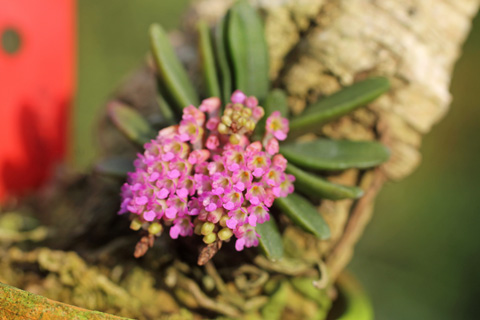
(207, 228)
(210, 238)
(236, 115)
(222, 129)
(247, 112)
(155, 228)
(227, 121)
(235, 139)
(223, 221)
(198, 229)
(237, 107)
(135, 224)
(250, 125)
(228, 112)
(242, 121)
(225, 234)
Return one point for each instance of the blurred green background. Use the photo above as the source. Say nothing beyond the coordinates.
(419, 256)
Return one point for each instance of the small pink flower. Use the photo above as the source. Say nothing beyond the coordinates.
(255, 193)
(260, 212)
(285, 188)
(198, 156)
(232, 200)
(212, 123)
(258, 164)
(211, 105)
(246, 237)
(182, 227)
(238, 217)
(251, 102)
(277, 126)
(238, 97)
(212, 142)
(279, 161)
(191, 112)
(272, 146)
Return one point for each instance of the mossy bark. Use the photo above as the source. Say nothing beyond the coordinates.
(316, 47)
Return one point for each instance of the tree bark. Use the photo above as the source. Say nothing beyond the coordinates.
(318, 46)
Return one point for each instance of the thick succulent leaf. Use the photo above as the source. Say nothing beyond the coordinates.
(248, 50)
(315, 186)
(208, 61)
(339, 104)
(276, 101)
(130, 123)
(115, 166)
(325, 154)
(222, 59)
(170, 69)
(270, 239)
(304, 214)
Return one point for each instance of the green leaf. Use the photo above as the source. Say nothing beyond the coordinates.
(325, 154)
(315, 186)
(115, 166)
(304, 214)
(339, 104)
(222, 60)
(166, 110)
(208, 61)
(275, 101)
(170, 69)
(270, 239)
(130, 123)
(248, 50)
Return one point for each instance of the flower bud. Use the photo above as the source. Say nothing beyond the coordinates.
(236, 115)
(210, 238)
(225, 234)
(135, 224)
(250, 125)
(223, 221)
(247, 112)
(155, 228)
(234, 139)
(241, 122)
(227, 120)
(198, 228)
(222, 129)
(207, 228)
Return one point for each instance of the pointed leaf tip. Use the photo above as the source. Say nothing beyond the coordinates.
(171, 72)
(325, 154)
(339, 104)
(130, 123)
(304, 214)
(270, 239)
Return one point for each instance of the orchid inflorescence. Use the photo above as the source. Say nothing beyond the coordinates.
(206, 177)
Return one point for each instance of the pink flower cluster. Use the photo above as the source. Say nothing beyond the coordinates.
(205, 176)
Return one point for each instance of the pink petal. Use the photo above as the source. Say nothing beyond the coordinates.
(240, 244)
(174, 232)
(149, 215)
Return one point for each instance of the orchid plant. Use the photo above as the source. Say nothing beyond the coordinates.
(225, 169)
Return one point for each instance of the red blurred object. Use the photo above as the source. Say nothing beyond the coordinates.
(36, 90)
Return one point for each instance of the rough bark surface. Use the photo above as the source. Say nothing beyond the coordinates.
(318, 46)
